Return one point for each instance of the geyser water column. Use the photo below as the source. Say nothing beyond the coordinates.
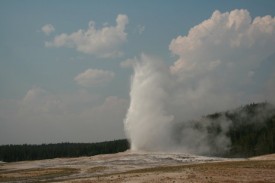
(147, 125)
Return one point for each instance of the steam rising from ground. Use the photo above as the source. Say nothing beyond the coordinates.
(217, 69)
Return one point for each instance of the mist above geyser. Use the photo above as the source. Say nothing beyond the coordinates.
(220, 66)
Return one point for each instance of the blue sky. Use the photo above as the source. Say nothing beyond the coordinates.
(48, 94)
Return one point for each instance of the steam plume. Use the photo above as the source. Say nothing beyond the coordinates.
(148, 97)
(217, 69)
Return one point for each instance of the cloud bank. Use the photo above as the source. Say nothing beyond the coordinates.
(104, 42)
(218, 63)
(45, 117)
(94, 77)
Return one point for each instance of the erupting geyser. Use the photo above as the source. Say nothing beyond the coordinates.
(147, 118)
(218, 65)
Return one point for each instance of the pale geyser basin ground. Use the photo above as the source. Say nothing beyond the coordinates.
(141, 167)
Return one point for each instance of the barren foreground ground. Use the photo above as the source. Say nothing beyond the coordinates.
(141, 167)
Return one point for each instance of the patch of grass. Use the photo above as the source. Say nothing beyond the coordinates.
(35, 174)
(96, 169)
(268, 164)
(263, 164)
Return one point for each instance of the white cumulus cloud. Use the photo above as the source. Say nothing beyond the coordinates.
(48, 29)
(220, 57)
(231, 38)
(104, 42)
(94, 77)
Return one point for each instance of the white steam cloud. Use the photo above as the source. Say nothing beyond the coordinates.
(218, 63)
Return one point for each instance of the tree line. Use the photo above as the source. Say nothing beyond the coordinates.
(10, 153)
(252, 130)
